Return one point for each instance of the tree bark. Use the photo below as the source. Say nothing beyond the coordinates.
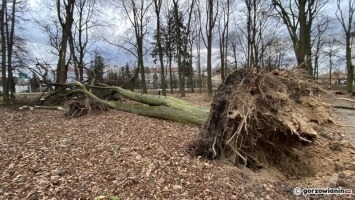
(162, 107)
(179, 49)
(157, 8)
(10, 32)
(349, 65)
(346, 21)
(211, 24)
(66, 25)
(3, 53)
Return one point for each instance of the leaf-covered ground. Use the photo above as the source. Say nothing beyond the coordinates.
(44, 155)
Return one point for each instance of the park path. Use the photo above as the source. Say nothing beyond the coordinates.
(347, 117)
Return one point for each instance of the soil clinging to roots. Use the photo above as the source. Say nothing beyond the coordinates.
(260, 119)
(78, 108)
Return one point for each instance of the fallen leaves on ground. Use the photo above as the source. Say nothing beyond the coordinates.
(44, 155)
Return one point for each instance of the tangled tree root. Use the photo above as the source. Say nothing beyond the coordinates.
(78, 108)
(258, 119)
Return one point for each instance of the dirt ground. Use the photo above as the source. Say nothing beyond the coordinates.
(117, 155)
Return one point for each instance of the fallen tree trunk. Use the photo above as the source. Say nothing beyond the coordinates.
(162, 107)
(255, 119)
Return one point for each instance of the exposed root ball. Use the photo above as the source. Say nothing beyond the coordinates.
(256, 119)
(83, 107)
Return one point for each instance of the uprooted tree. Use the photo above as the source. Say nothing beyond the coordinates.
(259, 119)
(254, 120)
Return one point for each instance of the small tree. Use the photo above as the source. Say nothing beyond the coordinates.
(113, 78)
(97, 67)
(155, 81)
(211, 17)
(159, 48)
(346, 18)
(177, 42)
(34, 83)
(137, 14)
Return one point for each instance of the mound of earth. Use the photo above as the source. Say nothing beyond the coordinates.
(264, 119)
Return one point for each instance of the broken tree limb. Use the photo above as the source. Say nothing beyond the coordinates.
(50, 107)
(41, 107)
(344, 107)
(346, 99)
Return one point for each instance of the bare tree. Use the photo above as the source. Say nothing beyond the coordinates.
(251, 31)
(53, 31)
(157, 9)
(329, 51)
(298, 17)
(223, 30)
(211, 17)
(10, 32)
(275, 56)
(233, 45)
(188, 63)
(198, 31)
(180, 41)
(65, 12)
(255, 35)
(3, 53)
(345, 18)
(12, 46)
(321, 26)
(79, 38)
(136, 12)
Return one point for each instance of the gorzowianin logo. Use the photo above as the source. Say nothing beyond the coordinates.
(297, 191)
(305, 191)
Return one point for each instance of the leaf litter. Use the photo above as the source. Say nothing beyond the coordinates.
(45, 155)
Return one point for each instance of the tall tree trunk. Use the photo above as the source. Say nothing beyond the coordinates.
(209, 65)
(185, 45)
(181, 75)
(249, 45)
(191, 74)
(179, 49)
(349, 65)
(171, 75)
(9, 47)
(73, 57)
(199, 60)
(10, 44)
(141, 64)
(330, 69)
(3, 54)
(211, 24)
(346, 21)
(62, 68)
(158, 4)
(66, 24)
(221, 54)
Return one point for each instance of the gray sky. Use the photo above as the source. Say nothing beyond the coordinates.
(39, 43)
